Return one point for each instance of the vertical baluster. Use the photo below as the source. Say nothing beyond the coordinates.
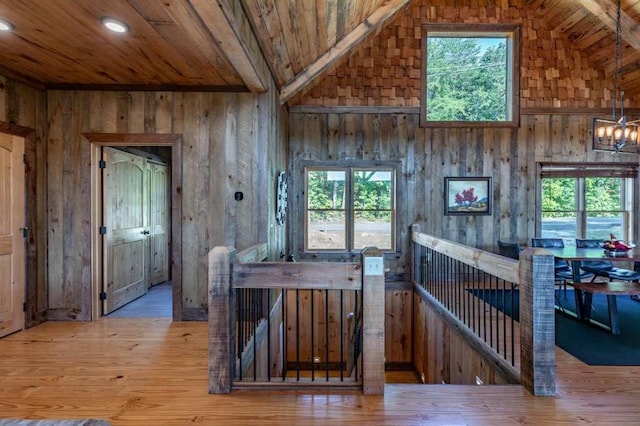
(326, 333)
(313, 342)
(489, 305)
(341, 335)
(357, 335)
(268, 335)
(285, 320)
(240, 339)
(297, 335)
(254, 327)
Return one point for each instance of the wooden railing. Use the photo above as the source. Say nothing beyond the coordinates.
(462, 284)
(262, 359)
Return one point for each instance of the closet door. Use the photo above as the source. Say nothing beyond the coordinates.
(125, 216)
(158, 223)
(12, 244)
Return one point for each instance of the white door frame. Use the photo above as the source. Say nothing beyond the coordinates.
(97, 141)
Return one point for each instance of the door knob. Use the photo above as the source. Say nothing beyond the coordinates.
(145, 232)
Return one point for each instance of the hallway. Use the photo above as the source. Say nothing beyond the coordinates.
(155, 304)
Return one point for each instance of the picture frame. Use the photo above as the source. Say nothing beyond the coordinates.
(464, 196)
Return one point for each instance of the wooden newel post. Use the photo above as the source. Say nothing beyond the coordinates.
(537, 322)
(416, 263)
(221, 321)
(372, 322)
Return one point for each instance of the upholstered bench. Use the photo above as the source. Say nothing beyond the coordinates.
(611, 289)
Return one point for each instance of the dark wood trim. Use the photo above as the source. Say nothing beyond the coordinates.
(193, 314)
(21, 78)
(315, 109)
(398, 285)
(133, 139)
(605, 112)
(145, 88)
(14, 129)
(398, 366)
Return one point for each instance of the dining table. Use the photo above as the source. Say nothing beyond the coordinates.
(576, 255)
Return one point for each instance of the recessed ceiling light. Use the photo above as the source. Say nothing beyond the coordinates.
(5, 26)
(115, 25)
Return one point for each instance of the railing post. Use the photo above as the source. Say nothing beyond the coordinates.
(537, 322)
(373, 322)
(221, 321)
(415, 257)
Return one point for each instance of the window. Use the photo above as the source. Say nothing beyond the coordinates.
(349, 208)
(588, 202)
(471, 75)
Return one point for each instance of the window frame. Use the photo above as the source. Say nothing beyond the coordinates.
(349, 167)
(512, 33)
(628, 173)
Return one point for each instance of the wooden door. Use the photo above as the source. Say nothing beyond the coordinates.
(12, 244)
(158, 223)
(125, 203)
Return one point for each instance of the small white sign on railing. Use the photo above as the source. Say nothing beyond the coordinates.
(373, 266)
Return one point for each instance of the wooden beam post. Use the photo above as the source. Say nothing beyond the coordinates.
(416, 262)
(372, 322)
(345, 46)
(221, 320)
(537, 322)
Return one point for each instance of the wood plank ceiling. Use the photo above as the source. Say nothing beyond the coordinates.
(205, 45)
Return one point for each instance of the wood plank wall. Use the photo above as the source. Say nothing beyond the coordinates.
(442, 356)
(427, 156)
(230, 142)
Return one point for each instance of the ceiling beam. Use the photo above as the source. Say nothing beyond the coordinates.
(606, 11)
(235, 40)
(345, 46)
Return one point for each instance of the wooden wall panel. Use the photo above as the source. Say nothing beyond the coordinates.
(427, 156)
(218, 159)
(313, 318)
(225, 135)
(441, 355)
(398, 328)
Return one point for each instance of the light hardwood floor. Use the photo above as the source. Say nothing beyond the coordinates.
(154, 372)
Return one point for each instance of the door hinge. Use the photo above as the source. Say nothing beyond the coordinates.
(24, 307)
(103, 295)
(103, 230)
(102, 164)
(24, 230)
(24, 158)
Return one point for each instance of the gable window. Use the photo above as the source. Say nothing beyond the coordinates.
(349, 208)
(587, 202)
(470, 75)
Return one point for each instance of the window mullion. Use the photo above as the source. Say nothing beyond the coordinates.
(349, 206)
(581, 214)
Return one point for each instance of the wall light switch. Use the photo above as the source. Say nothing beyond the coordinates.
(373, 266)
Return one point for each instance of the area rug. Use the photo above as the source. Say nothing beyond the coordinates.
(589, 343)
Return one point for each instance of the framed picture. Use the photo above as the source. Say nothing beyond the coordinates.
(467, 195)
